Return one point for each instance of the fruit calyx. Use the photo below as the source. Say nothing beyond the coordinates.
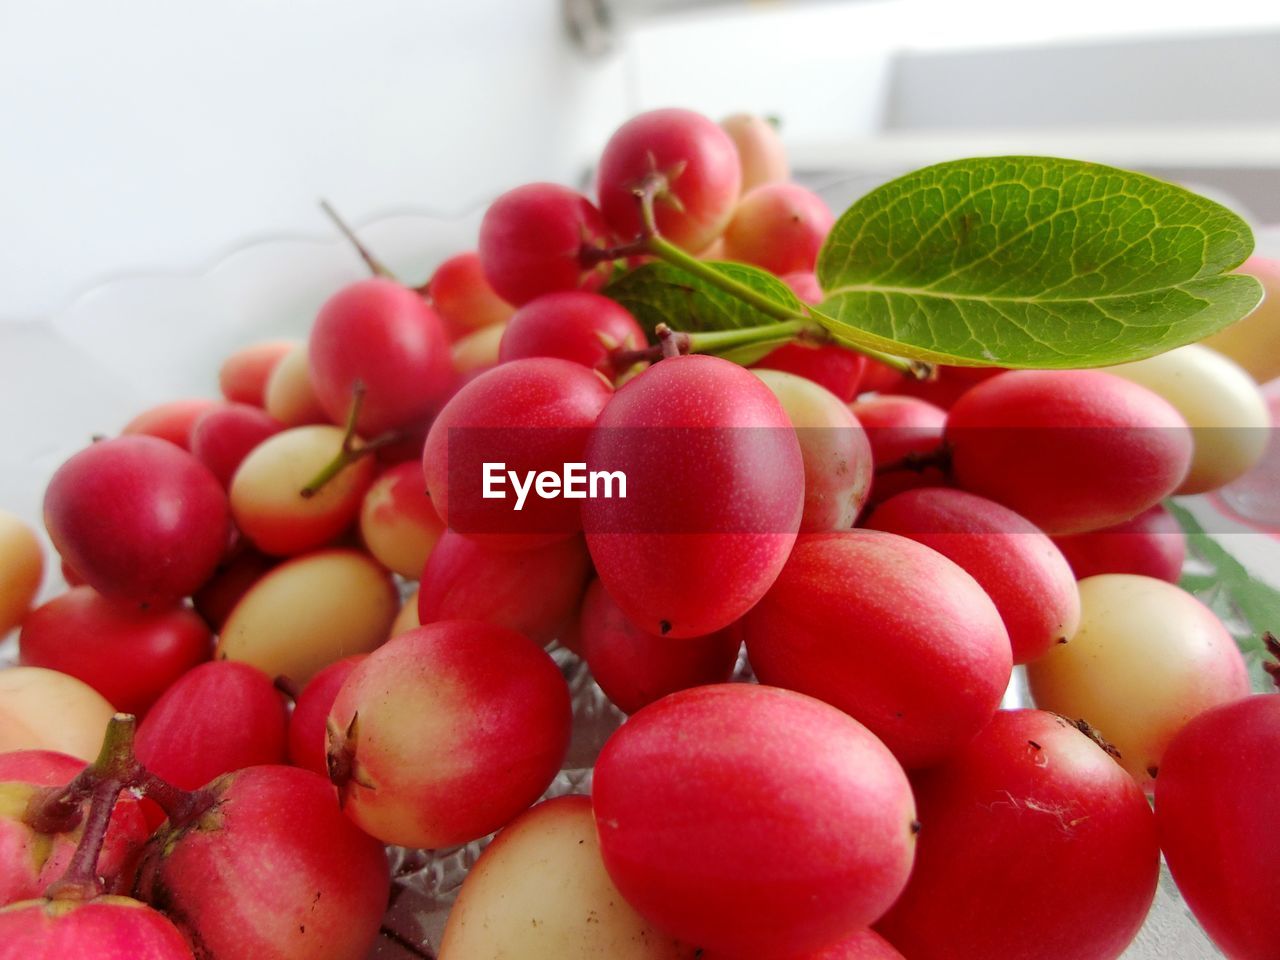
(340, 758)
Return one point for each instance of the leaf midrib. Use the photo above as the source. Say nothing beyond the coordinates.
(975, 298)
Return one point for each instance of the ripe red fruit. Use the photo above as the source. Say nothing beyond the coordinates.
(138, 518)
(573, 325)
(899, 428)
(1034, 845)
(1018, 566)
(243, 376)
(1150, 545)
(635, 668)
(235, 575)
(891, 632)
(445, 733)
(697, 805)
(398, 522)
(463, 297)
(104, 928)
(219, 717)
(945, 387)
(1216, 817)
(779, 227)
(31, 861)
(863, 945)
(531, 415)
(837, 369)
(700, 164)
(534, 592)
(532, 238)
(307, 735)
(384, 336)
(171, 421)
(272, 870)
(129, 653)
(224, 436)
(1070, 450)
(715, 492)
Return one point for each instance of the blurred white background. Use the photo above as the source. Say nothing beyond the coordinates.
(144, 136)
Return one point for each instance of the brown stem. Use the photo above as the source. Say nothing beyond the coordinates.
(376, 267)
(1273, 648)
(81, 881)
(670, 342)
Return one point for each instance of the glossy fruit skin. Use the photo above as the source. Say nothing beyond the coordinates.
(463, 298)
(1070, 450)
(104, 928)
(534, 592)
(947, 385)
(531, 239)
(219, 717)
(779, 227)
(47, 710)
(307, 735)
(385, 336)
(442, 709)
(1020, 569)
(1147, 658)
(127, 652)
(273, 871)
(761, 155)
(1150, 545)
(265, 493)
(540, 892)
(899, 428)
(574, 325)
(244, 374)
(1034, 845)
(532, 414)
(224, 436)
(21, 570)
(635, 668)
(138, 518)
(700, 163)
(863, 945)
(306, 613)
(690, 564)
(836, 454)
(1216, 817)
(891, 632)
(837, 369)
(290, 395)
(695, 805)
(1229, 420)
(171, 421)
(30, 862)
(242, 568)
(398, 522)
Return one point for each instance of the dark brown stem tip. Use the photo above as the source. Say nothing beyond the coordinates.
(919, 370)
(671, 342)
(288, 687)
(1092, 733)
(1272, 646)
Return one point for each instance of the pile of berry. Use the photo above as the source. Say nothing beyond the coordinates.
(887, 540)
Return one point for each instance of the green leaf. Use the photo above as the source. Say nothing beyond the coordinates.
(659, 292)
(1243, 602)
(1033, 262)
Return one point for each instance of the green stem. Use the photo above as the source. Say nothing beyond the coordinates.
(669, 252)
(349, 452)
(809, 324)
